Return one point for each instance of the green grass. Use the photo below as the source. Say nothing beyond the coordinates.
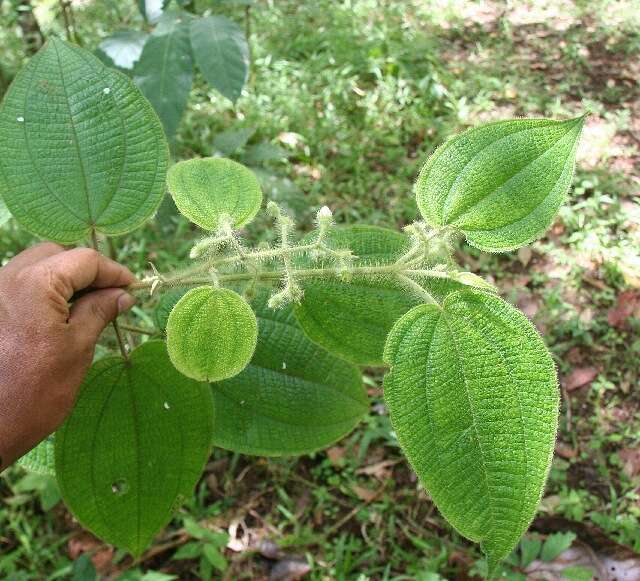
(358, 93)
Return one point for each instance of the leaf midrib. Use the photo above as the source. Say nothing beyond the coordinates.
(460, 366)
(448, 219)
(75, 138)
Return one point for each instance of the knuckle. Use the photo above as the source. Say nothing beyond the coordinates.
(87, 254)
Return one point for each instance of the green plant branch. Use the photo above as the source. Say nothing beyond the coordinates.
(119, 338)
(337, 262)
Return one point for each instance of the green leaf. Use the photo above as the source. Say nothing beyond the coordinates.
(205, 189)
(80, 148)
(165, 306)
(124, 47)
(555, 545)
(473, 397)
(134, 446)
(211, 334)
(215, 557)
(353, 319)
(221, 52)
(500, 183)
(188, 551)
(293, 398)
(263, 152)
(282, 191)
(228, 142)
(578, 574)
(530, 549)
(83, 569)
(164, 72)
(41, 458)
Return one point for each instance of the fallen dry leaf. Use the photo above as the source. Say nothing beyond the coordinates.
(631, 459)
(379, 470)
(580, 377)
(364, 493)
(335, 454)
(101, 554)
(628, 305)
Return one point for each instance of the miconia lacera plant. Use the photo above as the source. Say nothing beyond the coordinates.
(262, 354)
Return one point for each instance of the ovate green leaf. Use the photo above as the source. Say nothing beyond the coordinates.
(501, 183)
(293, 398)
(205, 189)
(221, 53)
(164, 72)
(473, 397)
(134, 446)
(80, 148)
(211, 334)
(353, 319)
(228, 142)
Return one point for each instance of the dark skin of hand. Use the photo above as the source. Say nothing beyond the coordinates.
(46, 343)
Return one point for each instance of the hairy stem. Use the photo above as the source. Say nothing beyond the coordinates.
(381, 271)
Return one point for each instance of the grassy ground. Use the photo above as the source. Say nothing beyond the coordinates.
(358, 93)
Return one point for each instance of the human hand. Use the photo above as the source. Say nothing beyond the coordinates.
(46, 344)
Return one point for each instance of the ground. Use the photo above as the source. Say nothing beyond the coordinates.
(356, 94)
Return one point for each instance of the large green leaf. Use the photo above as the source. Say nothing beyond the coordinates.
(501, 183)
(221, 53)
(164, 72)
(473, 397)
(353, 319)
(80, 148)
(41, 458)
(293, 398)
(134, 446)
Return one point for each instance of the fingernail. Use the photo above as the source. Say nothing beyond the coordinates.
(125, 302)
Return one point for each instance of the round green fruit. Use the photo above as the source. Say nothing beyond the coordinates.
(211, 334)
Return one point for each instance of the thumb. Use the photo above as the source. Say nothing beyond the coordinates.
(94, 311)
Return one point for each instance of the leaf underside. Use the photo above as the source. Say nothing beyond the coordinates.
(221, 53)
(41, 458)
(134, 446)
(80, 148)
(205, 189)
(501, 183)
(472, 395)
(211, 334)
(352, 319)
(164, 72)
(293, 398)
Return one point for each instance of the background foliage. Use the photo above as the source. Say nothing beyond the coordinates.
(343, 103)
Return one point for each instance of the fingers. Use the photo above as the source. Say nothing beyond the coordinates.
(94, 311)
(34, 254)
(82, 268)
